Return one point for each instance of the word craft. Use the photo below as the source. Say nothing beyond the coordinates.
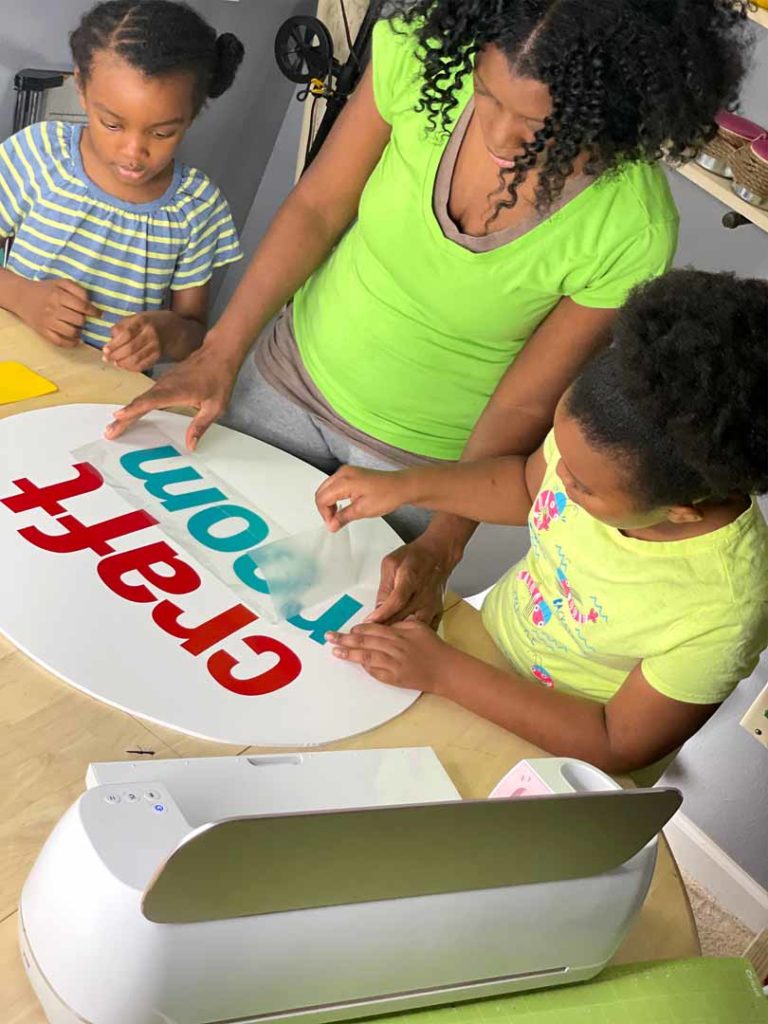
(133, 574)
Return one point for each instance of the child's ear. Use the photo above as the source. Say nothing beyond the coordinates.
(684, 514)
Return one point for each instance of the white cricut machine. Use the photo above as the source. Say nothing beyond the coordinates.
(325, 886)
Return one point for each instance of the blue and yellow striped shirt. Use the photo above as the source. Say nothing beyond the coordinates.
(126, 255)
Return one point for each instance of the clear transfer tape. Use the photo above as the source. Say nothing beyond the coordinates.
(280, 577)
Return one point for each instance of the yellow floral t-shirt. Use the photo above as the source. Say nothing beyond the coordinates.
(587, 604)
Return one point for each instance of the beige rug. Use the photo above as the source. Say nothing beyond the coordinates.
(721, 933)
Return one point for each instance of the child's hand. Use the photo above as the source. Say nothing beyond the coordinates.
(407, 654)
(135, 343)
(371, 493)
(56, 309)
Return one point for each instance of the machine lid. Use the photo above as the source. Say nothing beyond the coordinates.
(272, 863)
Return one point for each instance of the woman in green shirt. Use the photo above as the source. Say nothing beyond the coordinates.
(459, 248)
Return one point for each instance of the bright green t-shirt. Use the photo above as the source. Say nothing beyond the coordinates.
(405, 332)
(587, 604)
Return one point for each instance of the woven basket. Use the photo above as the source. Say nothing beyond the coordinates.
(750, 172)
(722, 154)
(733, 133)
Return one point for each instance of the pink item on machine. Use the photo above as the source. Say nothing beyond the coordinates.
(522, 780)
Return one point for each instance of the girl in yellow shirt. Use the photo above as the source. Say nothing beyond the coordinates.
(644, 597)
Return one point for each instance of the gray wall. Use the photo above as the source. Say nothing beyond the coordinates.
(276, 183)
(723, 776)
(233, 138)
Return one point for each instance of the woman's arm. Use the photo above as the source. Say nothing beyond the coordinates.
(519, 413)
(320, 208)
(305, 229)
(514, 422)
(637, 726)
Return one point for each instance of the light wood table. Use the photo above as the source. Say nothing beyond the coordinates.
(50, 732)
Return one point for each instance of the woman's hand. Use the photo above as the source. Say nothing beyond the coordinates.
(407, 654)
(370, 493)
(203, 381)
(414, 576)
(411, 585)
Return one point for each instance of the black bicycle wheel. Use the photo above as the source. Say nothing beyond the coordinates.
(304, 49)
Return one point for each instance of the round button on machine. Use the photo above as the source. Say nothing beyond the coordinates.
(152, 795)
(159, 808)
(112, 798)
(131, 797)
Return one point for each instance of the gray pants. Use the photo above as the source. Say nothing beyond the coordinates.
(258, 409)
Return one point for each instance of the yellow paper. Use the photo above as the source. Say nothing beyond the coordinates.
(18, 382)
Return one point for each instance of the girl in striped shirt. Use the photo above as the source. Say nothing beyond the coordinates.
(114, 241)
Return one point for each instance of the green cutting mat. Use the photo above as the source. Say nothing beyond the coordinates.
(700, 991)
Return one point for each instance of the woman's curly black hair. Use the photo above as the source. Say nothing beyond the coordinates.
(682, 393)
(159, 37)
(629, 79)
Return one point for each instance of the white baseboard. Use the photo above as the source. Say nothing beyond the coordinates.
(735, 890)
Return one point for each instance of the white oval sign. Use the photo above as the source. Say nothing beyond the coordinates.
(130, 569)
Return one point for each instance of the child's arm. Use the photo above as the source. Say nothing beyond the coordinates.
(55, 308)
(637, 726)
(498, 490)
(139, 341)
